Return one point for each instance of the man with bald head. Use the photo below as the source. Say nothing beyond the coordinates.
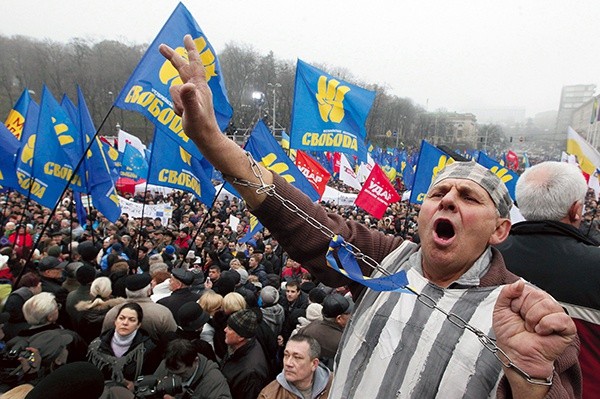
(397, 344)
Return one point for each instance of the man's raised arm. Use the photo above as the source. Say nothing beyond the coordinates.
(193, 102)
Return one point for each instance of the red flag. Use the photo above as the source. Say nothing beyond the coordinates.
(512, 160)
(316, 174)
(377, 193)
(336, 162)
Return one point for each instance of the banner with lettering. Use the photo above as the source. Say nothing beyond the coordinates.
(316, 174)
(147, 90)
(172, 166)
(431, 161)
(15, 121)
(135, 209)
(329, 114)
(377, 193)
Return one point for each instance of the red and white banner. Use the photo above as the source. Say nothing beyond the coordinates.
(316, 174)
(347, 175)
(377, 193)
(126, 138)
(512, 160)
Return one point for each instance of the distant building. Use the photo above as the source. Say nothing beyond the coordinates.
(571, 98)
(585, 121)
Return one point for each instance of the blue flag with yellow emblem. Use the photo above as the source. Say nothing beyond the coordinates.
(431, 161)
(172, 166)
(329, 114)
(147, 90)
(133, 164)
(15, 121)
(265, 150)
(254, 227)
(506, 175)
(24, 159)
(101, 185)
(9, 145)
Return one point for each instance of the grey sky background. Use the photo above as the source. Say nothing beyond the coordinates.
(457, 55)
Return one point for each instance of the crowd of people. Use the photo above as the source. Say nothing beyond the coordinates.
(190, 309)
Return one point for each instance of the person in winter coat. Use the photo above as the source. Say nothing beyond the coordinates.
(93, 311)
(126, 351)
(272, 311)
(201, 378)
(302, 376)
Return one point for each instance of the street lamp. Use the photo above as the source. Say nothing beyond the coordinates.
(274, 86)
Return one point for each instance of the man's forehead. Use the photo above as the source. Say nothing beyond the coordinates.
(463, 184)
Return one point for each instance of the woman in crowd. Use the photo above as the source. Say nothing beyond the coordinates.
(126, 351)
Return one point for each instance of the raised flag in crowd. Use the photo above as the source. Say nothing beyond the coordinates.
(316, 174)
(347, 174)
(15, 121)
(147, 90)
(377, 193)
(508, 176)
(431, 161)
(329, 114)
(365, 168)
(265, 149)
(133, 164)
(512, 160)
(587, 156)
(124, 138)
(254, 227)
(97, 166)
(8, 149)
(181, 170)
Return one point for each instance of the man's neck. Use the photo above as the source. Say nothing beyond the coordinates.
(305, 384)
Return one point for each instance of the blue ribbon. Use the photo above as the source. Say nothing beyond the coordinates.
(396, 282)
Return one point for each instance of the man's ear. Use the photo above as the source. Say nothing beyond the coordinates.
(575, 212)
(501, 232)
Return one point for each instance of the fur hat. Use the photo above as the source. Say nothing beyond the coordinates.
(87, 250)
(85, 274)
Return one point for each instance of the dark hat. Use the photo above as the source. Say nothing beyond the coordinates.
(244, 323)
(190, 317)
(317, 295)
(54, 251)
(117, 247)
(269, 295)
(169, 250)
(50, 343)
(335, 305)
(50, 262)
(307, 286)
(85, 274)
(137, 281)
(224, 285)
(186, 230)
(71, 269)
(80, 380)
(185, 276)
(87, 250)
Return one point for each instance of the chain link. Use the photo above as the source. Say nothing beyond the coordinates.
(487, 342)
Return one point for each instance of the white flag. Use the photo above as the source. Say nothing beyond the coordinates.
(347, 175)
(126, 138)
(364, 170)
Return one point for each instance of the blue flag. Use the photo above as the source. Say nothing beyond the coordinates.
(101, 185)
(24, 161)
(255, 227)
(147, 90)
(80, 209)
(133, 164)
(265, 149)
(329, 114)
(9, 145)
(179, 169)
(506, 175)
(15, 121)
(431, 161)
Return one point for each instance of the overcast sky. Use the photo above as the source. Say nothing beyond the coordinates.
(445, 54)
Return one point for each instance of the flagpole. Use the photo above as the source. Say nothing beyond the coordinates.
(71, 178)
(146, 186)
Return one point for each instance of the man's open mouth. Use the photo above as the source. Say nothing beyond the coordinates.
(444, 229)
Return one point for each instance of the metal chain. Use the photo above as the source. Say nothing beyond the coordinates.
(487, 342)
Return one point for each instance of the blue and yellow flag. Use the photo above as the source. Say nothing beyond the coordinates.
(254, 227)
(431, 161)
(265, 149)
(506, 175)
(329, 114)
(15, 121)
(101, 185)
(147, 90)
(133, 164)
(9, 145)
(172, 166)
